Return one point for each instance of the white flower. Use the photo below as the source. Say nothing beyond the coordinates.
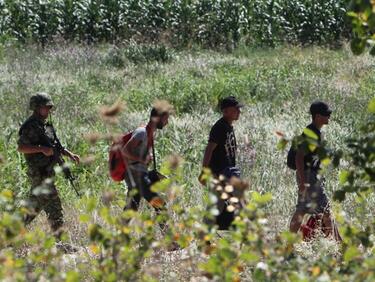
(224, 196)
(214, 212)
(234, 200)
(213, 199)
(262, 265)
(229, 188)
(230, 208)
(262, 221)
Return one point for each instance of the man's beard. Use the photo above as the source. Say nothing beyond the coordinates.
(42, 116)
(159, 125)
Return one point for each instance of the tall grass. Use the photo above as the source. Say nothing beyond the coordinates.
(219, 23)
(277, 86)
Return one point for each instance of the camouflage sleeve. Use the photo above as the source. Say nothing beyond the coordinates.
(30, 134)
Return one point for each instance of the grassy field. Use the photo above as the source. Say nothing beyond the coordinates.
(277, 86)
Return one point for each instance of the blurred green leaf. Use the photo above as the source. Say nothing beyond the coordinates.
(72, 276)
(326, 161)
(49, 243)
(249, 257)
(282, 144)
(371, 105)
(352, 14)
(351, 253)
(84, 218)
(261, 199)
(290, 237)
(343, 176)
(309, 133)
(91, 204)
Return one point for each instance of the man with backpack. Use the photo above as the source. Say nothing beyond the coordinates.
(137, 156)
(305, 159)
(220, 153)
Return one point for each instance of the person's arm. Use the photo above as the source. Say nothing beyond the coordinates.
(29, 143)
(206, 159)
(300, 166)
(34, 149)
(208, 154)
(72, 156)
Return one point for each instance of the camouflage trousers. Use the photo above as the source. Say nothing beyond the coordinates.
(44, 196)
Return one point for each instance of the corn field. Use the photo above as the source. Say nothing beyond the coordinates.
(178, 23)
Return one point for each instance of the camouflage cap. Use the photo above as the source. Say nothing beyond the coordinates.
(40, 99)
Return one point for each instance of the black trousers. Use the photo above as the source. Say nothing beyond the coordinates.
(139, 186)
(225, 218)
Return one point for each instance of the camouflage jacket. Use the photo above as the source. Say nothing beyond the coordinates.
(35, 131)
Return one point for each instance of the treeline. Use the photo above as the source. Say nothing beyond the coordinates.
(178, 23)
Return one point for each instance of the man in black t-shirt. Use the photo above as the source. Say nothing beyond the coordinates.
(312, 198)
(220, 153)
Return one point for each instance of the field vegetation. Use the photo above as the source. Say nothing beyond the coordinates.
(275, 56)
(277, 86)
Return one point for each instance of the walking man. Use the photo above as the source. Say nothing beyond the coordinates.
(312, 198)
(36, 141)
(220, 152)
(137, 152)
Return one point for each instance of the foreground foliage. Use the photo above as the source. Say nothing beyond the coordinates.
(119, 251)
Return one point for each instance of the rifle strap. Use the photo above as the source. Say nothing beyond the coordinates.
(153, 153)
(57, 140)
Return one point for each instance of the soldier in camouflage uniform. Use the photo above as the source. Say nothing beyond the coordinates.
(36, 138)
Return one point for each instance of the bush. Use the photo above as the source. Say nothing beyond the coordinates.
(148, 53)
(119, 251)
(115, 57)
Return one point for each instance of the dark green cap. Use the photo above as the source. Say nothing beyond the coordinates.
(40, 99)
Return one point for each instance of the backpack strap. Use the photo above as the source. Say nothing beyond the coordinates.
(150, 137)
(153, 154)
(150, 143)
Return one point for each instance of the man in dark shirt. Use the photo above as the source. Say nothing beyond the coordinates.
(36, 138)
(312, 198)
(220, 153)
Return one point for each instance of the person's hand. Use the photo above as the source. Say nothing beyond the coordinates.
(47, 151)
(75, 158)
(201, 178)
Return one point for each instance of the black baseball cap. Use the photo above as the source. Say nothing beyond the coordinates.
(319, 107)
(230, 101)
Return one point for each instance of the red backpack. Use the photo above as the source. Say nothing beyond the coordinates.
(311, 228)
(117, 164)
(314, 225)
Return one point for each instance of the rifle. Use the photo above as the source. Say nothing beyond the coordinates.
(58, 150)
